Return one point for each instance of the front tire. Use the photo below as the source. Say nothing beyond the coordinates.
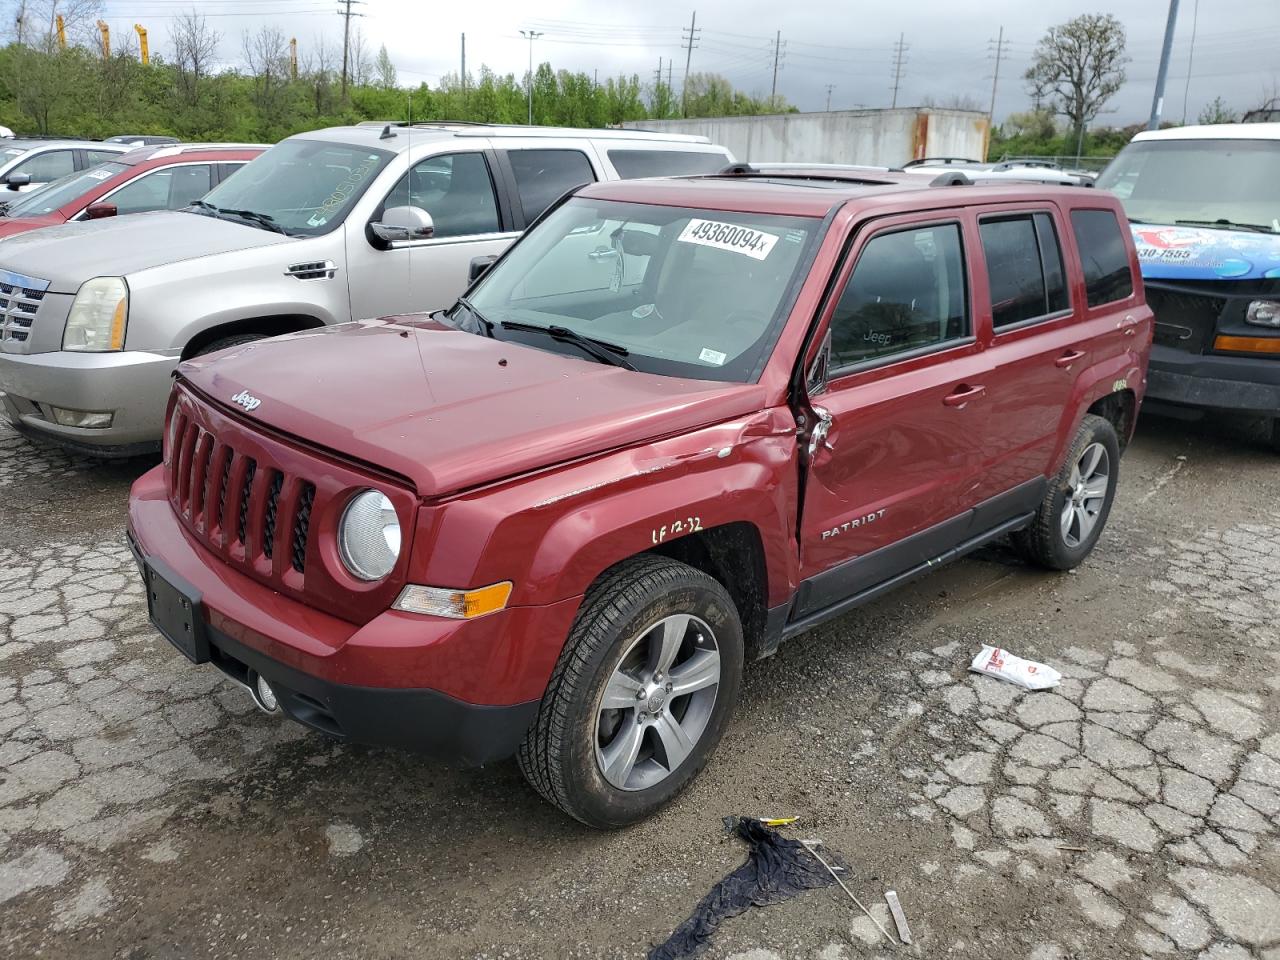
(1075, 509)
(640, 696)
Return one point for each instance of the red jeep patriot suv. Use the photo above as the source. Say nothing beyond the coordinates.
(677, 423)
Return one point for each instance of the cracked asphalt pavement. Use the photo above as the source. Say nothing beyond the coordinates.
(147, 810)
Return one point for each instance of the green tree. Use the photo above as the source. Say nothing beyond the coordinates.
(1218, 112)
(1078, 66)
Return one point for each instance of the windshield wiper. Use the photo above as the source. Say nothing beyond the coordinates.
(486, 325)
(253, 216)
(609, 353)
(1222, 223)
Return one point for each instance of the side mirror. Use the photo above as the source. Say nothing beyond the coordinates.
(479, 265)
(399, 224)
(16, 181)
(97, 211)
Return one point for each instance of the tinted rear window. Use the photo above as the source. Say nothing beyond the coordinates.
(542, 176)
(1024, 268)
(1102, 252)
(634, 164)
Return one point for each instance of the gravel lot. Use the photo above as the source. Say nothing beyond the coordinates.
(148, 811)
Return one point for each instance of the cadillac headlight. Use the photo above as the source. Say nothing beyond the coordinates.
(369, 536)
(98, 316)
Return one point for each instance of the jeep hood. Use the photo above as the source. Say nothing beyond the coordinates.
(451, 410)
(71, 253)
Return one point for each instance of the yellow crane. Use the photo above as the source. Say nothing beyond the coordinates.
(142, 43)
(105, 30)
(61, 29)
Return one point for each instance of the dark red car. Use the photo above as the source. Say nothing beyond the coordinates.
(149, 178)
(677, 423)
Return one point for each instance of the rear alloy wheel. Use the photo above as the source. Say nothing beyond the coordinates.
(1075, 508)
(640, 696)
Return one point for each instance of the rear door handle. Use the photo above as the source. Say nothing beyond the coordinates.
(1068, 358)
(963, 394)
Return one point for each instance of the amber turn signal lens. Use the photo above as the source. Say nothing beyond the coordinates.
(1270, 345)
(457, 604)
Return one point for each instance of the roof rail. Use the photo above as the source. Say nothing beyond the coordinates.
(938, 161)
(738, 170)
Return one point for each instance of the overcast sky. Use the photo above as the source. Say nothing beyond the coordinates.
(848, 45)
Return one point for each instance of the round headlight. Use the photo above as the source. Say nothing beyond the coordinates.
(369, 536)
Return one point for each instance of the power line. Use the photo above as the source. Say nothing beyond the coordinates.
(899, 51)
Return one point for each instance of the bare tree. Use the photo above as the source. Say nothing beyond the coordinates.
(1078, 66)
(319, 69)
(361, 67)
(1217, 111)
(266, 57)
(35, 22)
(195, 44)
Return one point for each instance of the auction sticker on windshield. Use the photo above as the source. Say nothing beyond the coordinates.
(729, 236)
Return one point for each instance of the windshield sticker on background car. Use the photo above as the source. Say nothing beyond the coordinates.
(712, 356)
(729, 236)
(99, 174)
(342, 192)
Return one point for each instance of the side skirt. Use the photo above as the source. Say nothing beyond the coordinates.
(835, 592)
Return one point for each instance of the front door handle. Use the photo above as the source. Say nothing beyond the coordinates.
(1068, 358)
(1129, 325)
(963, 394)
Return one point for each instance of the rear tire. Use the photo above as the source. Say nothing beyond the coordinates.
(1075, 508)
(610, 766)
(1275, 434)
(227, 342)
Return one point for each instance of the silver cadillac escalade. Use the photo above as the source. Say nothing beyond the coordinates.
(325, 227)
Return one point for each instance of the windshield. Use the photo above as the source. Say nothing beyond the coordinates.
(682, 292)
(306, 187)
(1167, 181)
(63, 191)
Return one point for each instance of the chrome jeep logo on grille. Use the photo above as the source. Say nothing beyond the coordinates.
(247, 400)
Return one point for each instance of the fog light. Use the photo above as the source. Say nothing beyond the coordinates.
(82, 418)
(456, 604)
(1263, 313)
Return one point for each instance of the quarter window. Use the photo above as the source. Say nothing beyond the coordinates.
(542, 176)
(100, 156)
(906, 293)
(633, 164)
(1024, 268)
(455, 189)
(1103, 253)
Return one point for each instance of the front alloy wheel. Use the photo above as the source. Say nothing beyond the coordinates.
(641, 694)
(658, 702)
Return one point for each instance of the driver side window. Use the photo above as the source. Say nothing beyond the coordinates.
(456, 189)
(906, 294)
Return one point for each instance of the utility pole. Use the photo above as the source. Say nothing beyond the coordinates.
(1000, 45)
(293, 58)
(777, 55)
(532, 35)
(670, 63)
(1191, 58)
(830, 87)
(1157, 99)
(21, 19)
(899, 49)
(346, 13)
(689, 44)
(464, 71)
(657, 77)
